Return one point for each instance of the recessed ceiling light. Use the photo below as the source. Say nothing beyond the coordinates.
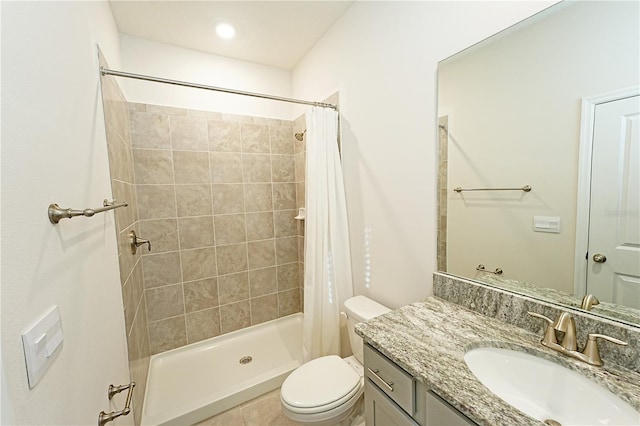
(225, 31)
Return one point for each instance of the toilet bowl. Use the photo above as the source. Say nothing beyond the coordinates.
(328, 390)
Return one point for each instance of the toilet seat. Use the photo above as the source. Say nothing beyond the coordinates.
(321, 385)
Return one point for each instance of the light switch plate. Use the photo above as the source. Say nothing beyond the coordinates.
(41, 343)
(546, 224)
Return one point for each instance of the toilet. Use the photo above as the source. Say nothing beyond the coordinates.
(328, 390)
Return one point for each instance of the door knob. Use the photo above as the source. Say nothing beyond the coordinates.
(599, 258)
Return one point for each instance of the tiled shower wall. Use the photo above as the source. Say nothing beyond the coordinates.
(122, 185)
(443, 163)
(217, 199)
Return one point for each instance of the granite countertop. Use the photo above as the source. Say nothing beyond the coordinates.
(429, 339)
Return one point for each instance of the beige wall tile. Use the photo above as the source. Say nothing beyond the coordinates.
(162, 233)
(153, 166)
(288, 276)
(285, 223)
(206, 184)
(281, 140)
(124, 192)
(226, 167)
(196, 232)
(264, 308)
(286, 250)
(129, 304)
(233, 287)
(167, 334)
(138, 284)
(263, 281)
(235, 118)
(300, 194)
(224, 136)
(116, 110)
(232, 258)
(198, 264)
(255, 138)
(126, 259)
(235, 316)
(300, 167)
(120, 156)
(227, 198)
(288, 302)
(203, 325)
(209, 115)
(194, 200)
(149, 130)
(283, 168)
(164, 109)
(256, 167)
(164, 302)
(284, 196)
(201, 294)
(191, 166)
(230, 228)
(156, 201)
(257, 197)
(189, 133)
(261, 254)
(135, 106)
(259, 226)
(161, 269)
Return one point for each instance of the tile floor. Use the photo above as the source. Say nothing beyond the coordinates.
(261, 411)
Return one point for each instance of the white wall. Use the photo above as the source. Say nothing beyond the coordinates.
(142, 56)
(54, 150)
(382, 57)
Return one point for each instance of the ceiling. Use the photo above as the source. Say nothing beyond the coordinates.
(274, 33)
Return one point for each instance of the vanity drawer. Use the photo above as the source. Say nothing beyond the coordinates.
(396, 383)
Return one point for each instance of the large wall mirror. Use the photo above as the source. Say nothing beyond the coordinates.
(552, 104)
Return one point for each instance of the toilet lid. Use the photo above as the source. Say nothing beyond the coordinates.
(318, 383)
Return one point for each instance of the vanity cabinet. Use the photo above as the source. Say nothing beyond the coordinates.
(393, 397)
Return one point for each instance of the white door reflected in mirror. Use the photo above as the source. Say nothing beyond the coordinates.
(613, 271)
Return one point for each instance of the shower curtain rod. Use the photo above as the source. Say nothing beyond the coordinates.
(106, 71)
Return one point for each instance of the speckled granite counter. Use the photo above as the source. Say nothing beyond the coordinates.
(429, 339)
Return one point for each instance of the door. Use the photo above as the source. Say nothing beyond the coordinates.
(613, 258)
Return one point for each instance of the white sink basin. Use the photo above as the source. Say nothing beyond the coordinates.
(547, 391)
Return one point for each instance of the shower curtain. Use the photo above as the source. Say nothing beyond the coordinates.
(327, 276)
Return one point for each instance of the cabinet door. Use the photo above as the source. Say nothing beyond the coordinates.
(380, 410)
(440, 413)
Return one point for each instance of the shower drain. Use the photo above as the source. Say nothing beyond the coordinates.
(245, 360)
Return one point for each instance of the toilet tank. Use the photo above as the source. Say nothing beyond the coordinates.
(358, 309)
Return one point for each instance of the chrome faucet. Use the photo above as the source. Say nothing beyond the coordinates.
(588, 301)
(566, 324)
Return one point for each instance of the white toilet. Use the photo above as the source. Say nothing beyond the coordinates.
(327, 390)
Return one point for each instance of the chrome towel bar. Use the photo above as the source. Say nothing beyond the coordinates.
(526, 188)
(104, 418)
(56, 213)
(481, 268)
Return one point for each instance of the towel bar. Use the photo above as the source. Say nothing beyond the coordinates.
(56, 213)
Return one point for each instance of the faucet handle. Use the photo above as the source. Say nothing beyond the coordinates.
(549, 334)
(591, 351)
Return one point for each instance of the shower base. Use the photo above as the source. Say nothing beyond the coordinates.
(197, 381)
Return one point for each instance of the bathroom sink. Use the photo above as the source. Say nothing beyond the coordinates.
(547, 391)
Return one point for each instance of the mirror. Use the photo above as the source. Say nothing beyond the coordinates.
(509, 111)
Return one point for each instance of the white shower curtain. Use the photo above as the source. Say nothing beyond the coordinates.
(327, 276)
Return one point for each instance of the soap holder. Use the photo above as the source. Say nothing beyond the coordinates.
(301, 214)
